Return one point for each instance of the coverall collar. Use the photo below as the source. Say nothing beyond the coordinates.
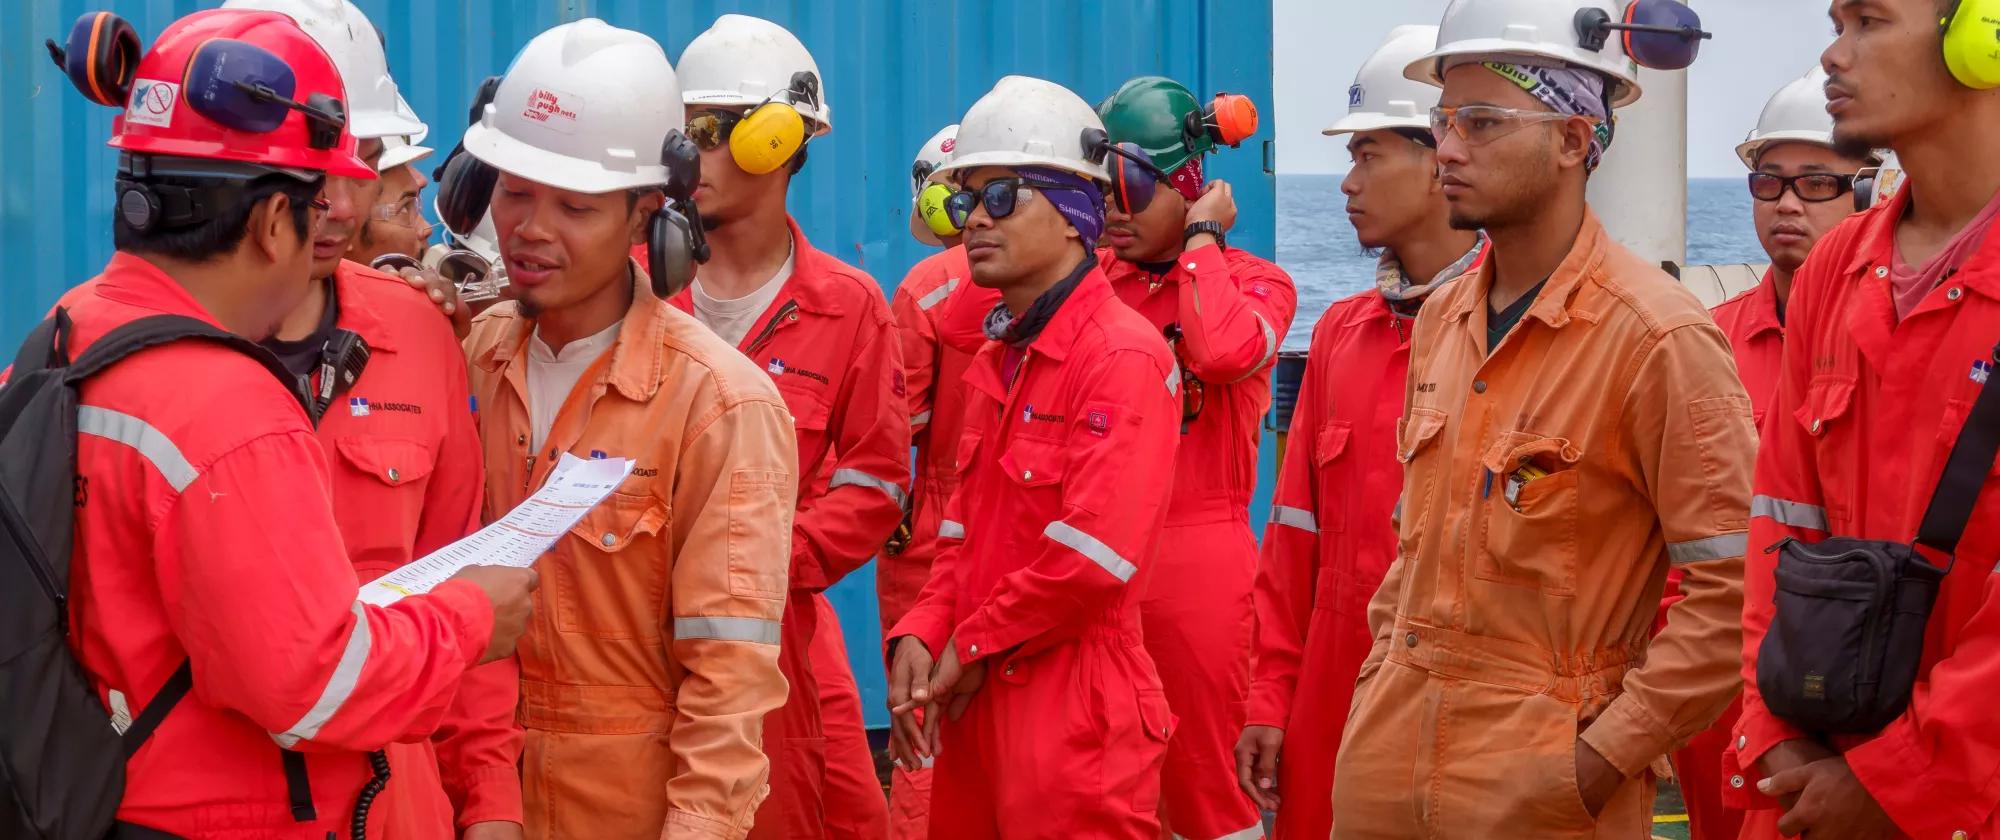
(1551, 306)
(1762, 312)
(813, 273)
(637, 358)
(357, 312)
(133, 280)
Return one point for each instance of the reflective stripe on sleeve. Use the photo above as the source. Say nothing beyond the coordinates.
(1091, 547)
(150, 443)
(937, 295)
(722, 628)
(1270, 346)
(951, 530)
(1718, 547)
(1788, 512)
(345, 675)
(846, 477)
(1295, 518)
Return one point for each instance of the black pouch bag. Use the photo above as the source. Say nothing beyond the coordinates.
(1842, 652)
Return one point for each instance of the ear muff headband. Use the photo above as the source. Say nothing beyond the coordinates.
(774, 133)
(100, 56)
(1972, 43)
(465, 183)
(930, 208)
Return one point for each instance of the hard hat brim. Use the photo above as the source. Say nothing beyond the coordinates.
(1361, 121)
(400, 155)
(1748, 150)
(1016, 160)
(374, 125)
(1625, 86)
(560, 171)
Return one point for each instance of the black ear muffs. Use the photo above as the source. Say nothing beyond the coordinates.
(100, 57)
(675, 241)
(480, 99)
(465, 189)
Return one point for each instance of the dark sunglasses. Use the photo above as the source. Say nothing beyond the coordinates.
(1000, 196)
(1134, 177)
(248, 88)
(710, 129)
(1813, 188)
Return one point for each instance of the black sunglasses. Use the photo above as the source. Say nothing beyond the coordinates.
(1000, 196)
(1813, 188)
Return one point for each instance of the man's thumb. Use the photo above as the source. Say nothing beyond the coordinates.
(1785, 783)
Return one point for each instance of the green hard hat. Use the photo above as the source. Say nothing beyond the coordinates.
(1153, 111)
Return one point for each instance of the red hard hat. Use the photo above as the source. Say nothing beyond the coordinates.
(214, 78)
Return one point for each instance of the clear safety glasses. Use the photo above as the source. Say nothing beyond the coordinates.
(1479, 125)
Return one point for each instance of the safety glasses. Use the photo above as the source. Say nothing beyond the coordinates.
(1814, 188)
(1134, 177)
(1001, 196)
(248, 88)
(1479, 125)
(401, 214)
(474, 277)
(711, 129)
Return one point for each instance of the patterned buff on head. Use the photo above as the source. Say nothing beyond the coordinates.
(1188, 179)
(1566, 90)
(1079, 200)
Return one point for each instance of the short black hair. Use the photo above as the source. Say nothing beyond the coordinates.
(222, 232)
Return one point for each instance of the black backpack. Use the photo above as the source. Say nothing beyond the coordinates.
(62, 762)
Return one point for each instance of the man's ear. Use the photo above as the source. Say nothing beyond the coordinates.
(269, 227)
(641, 217)
(1574, 137)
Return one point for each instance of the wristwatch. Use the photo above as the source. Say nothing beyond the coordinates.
(1211, 228)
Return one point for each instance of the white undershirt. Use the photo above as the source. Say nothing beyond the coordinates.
(552, 375)
(732, 319)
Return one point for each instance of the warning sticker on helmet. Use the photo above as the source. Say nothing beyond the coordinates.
(153, 102)
(553, 108)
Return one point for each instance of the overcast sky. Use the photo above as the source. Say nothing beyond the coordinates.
(1759, 45)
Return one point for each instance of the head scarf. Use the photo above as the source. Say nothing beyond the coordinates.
(1568, 90)
(1398, 287)
(1187, 180)
(1079, 200)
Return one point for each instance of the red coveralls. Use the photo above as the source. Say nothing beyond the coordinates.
(1329, 542)
(827, 343)
(934, 370)
(217, 542)
(1063, 488)
(407, 479)
(1231, 309)
(1757, 341)
(1867, 411)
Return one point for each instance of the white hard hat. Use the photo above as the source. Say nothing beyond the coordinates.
(1382, 97)
(1795, 114)
(743, 60)
(586, 107)
(930, 158)
(1528, 32)
(1024, 121)
(397, 151)
(356, 49)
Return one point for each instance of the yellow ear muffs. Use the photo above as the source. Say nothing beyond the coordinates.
(930, 206)
(1972, 43)
(767, 138)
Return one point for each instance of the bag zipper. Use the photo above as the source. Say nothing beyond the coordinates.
(15, 528)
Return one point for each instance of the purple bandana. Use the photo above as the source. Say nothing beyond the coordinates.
(1080, 200)
(1566, 90)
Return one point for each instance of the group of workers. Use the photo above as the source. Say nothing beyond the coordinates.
(1514, 571)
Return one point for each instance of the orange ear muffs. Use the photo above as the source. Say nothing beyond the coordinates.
(1230, 119)
(100, 56)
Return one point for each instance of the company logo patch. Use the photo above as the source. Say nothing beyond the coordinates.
(949, 144)
(553, 108)
(357, 407)
(896, 383)
(1982, 370)
(598, 455)
(1028, 413)
(1260, 291)
(1354, 96)
(153, 102)
(404, 408)
(776, 367)
(1099, 422)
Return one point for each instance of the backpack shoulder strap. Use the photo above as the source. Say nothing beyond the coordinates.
(47, 345)
(155, 330)
(163, 702)
(1964, 471)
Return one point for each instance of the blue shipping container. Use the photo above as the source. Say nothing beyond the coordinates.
(895, 71)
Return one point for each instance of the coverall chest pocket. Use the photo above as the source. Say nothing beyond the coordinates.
(389, 476)
(612, 582)
(1336, 485)
(1416, 435)
(810, 417)
(1036, 467)
(1824, 416)
(1528, 495)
